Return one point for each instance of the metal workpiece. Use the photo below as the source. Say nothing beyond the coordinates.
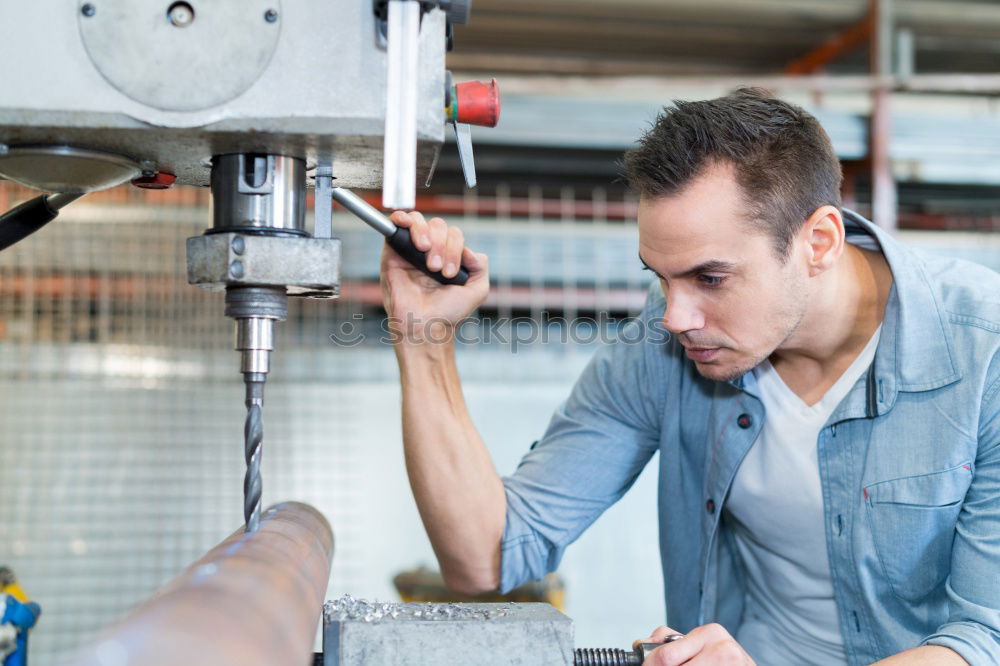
(501, 634)
(255, 192)
(253, 600)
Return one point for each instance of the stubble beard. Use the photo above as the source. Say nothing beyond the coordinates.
(791, 315)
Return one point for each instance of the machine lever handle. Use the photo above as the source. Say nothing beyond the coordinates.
(401, 242)
(398, 237)
(20, 222)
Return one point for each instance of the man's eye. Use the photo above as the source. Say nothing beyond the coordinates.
(658, 276)
(711, 280)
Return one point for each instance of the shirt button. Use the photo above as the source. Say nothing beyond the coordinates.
(710, 505)
(744, 421)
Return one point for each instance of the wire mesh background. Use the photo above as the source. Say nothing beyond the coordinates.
(121, 402)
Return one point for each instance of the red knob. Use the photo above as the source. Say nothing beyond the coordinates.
(477, 103)
(161, 181)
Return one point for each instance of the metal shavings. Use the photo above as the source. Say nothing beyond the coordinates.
(349, 608)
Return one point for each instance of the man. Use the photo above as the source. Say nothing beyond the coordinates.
(826, 410)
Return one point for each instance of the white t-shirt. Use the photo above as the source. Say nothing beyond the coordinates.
(775, 511)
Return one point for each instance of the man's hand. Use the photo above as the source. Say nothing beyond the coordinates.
(420, 308)
(707, 645)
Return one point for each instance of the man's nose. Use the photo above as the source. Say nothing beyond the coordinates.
(682, 315)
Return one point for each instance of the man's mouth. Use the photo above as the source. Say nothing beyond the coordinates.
(701, 354)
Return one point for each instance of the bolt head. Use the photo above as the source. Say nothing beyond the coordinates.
(271, 15)
(236, 269)
(180, 14)
(88, 9)
(239, 245)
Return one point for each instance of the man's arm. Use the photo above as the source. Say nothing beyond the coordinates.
(457, 490)
(926, 655)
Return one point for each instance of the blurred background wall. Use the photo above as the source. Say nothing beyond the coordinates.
(120, 401)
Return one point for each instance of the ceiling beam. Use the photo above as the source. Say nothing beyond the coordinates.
(843, 42)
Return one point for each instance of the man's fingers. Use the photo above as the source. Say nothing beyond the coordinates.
(415, 222)
(439, 237)
(712, 640)
(662, 632)
(453, 252)
(656, 636)
(444, 245)
(675, 653)
(401, 218)
(474, 261)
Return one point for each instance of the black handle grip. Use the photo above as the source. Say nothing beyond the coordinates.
(403, 244)
(19, 223)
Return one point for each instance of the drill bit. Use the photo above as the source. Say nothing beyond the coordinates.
(253, 435)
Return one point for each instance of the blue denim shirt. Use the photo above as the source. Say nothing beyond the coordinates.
(909, 464)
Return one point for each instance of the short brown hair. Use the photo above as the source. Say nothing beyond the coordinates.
(783, 159)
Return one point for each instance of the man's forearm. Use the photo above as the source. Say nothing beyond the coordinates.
(458, 492)
(929, 655)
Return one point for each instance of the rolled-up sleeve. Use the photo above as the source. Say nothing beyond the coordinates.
(597, 443)
(973, 627)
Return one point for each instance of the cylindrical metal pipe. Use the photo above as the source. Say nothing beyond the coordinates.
(253, 600)
(256, 192)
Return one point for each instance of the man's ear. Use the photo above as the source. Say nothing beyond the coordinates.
(823, 238)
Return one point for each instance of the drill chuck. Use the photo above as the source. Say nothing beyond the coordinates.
(255, 342)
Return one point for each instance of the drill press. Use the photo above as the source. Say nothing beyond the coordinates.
(230, 94)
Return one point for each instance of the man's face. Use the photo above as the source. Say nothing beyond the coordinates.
(731, 301)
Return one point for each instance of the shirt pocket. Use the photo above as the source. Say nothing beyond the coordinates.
(913, 526)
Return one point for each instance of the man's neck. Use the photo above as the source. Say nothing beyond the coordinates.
(844, 311)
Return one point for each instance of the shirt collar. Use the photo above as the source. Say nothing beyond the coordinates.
(915, 352)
